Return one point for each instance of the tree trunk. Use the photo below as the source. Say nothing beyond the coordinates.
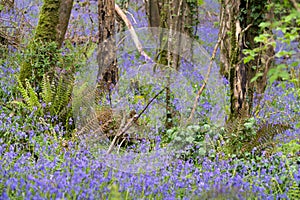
(64, 16)
(107, 62)
(175, 18)
(48, 20)
(153, 13)
(43, 59)
(241, 21)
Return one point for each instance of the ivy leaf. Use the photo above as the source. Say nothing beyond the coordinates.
(257, 75)
(248, 59)
(278, 72)
(264, 25)
(283, 53)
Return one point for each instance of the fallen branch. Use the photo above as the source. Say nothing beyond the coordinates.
(132, 32)
(130, 122)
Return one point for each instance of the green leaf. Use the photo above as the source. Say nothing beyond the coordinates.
(278, 72)
(284, 75)
(262, 38)
(298, 125)
(257, 75)
(248, 59)
(264, 24)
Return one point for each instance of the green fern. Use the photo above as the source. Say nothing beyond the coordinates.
(23, 91)
(33, 97)
(57, 102)
(64, 92)
(47, 92)
(294, 191)
(29, 95)
(238, 131)
(56, 94)
(264, 139)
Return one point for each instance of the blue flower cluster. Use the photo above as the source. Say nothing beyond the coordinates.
(34, 164)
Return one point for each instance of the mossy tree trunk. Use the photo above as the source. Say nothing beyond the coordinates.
(42, 50)
(107, 62)
(241, 21)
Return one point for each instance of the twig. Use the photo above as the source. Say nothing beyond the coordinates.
(245, 29)
(295, 4)
(121, 144)
(129, 13)
(132, 32)
(130, 122)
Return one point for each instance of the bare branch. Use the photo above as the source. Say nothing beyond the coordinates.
(132, 32)
(200, 91)
(245, 29)
(205, 80)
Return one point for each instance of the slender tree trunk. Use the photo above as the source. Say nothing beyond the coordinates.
(107, 62)
(175, 18)
(153, 13)
(64, 16)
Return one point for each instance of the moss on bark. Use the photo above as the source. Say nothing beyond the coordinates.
(48, 20)
(33, 68)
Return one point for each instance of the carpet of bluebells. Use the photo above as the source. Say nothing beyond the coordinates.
(53, 171)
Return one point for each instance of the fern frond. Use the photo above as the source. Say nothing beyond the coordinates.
(59, 94)
(91, 126)
(33, 100)
(235, 134)
(23, 91)
(47, 93)
(29, 95)
(68, 94)
(264, 139)
(294, 191)
(67, 99)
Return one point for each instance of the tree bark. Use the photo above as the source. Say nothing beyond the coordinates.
(153, 12)
(174, 18)
(108, 72)
(241, 22)
(64, 17)
(35, 67)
